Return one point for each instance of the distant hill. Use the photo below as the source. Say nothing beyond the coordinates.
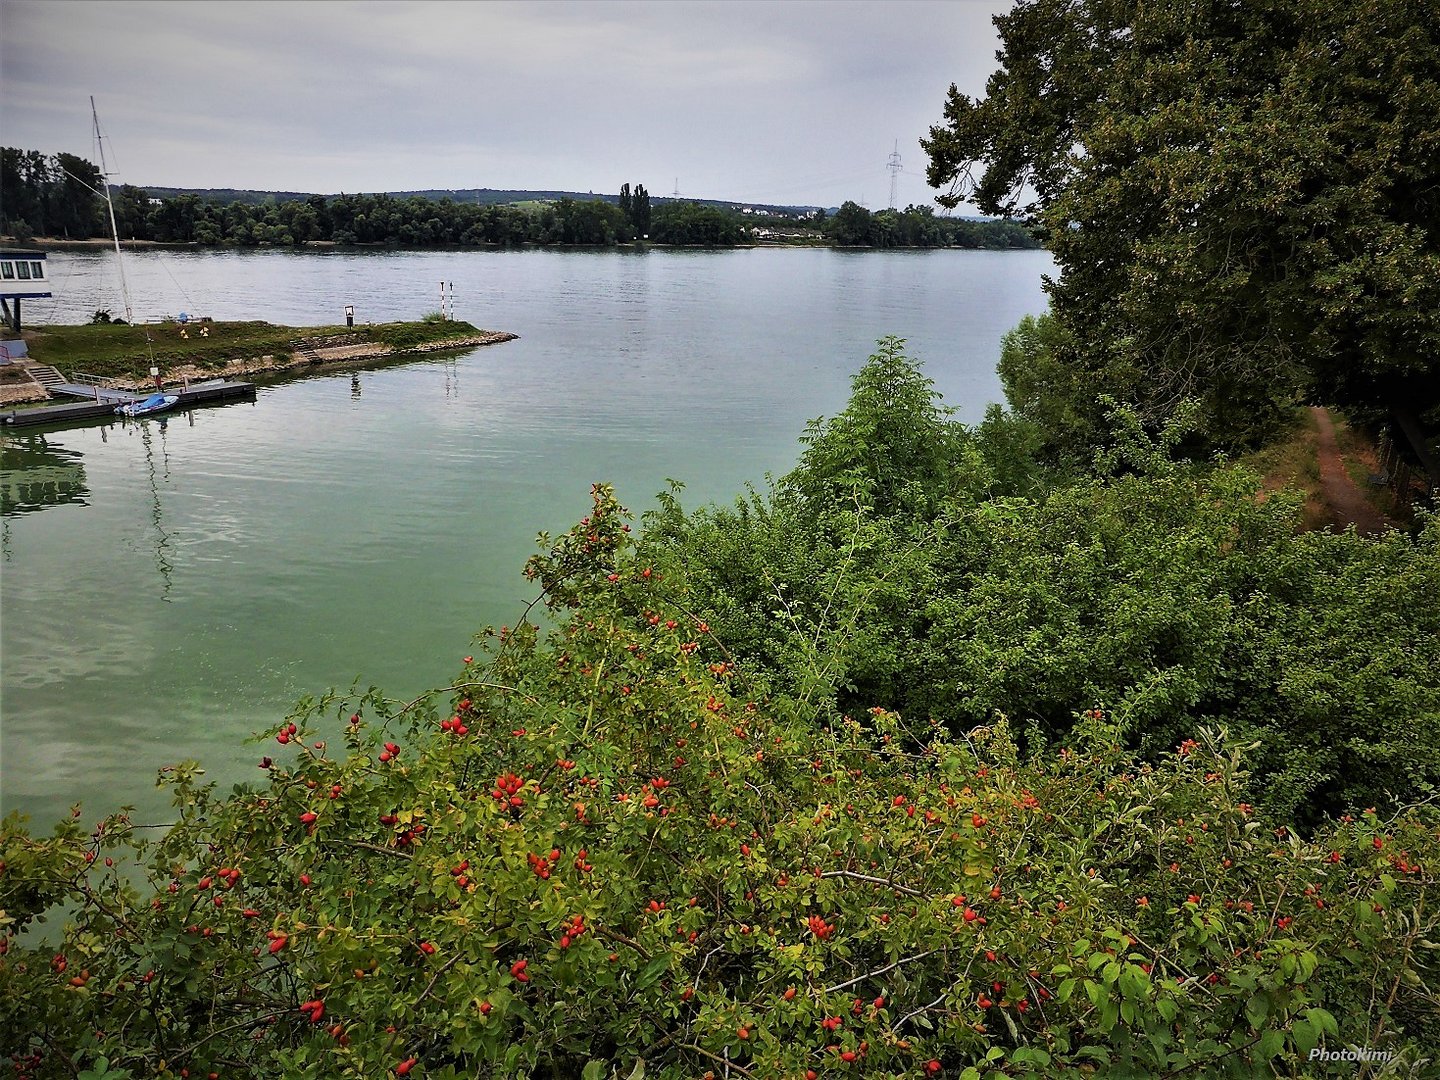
(483, 196)
(227, 195)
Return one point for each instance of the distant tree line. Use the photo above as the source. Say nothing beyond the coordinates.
(56, 196)
(917, 226)
(44, 195)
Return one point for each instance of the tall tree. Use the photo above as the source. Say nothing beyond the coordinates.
(852, 225)
(626, 202)
(640, 210)
(1243, 198)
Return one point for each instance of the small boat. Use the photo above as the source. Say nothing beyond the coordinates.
(152, 404)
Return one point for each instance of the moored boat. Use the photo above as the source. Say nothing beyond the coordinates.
(152, 404)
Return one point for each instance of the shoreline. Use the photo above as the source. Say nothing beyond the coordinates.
(308, 356)
(315, 356)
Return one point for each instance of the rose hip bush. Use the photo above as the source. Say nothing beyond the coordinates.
(603, 851)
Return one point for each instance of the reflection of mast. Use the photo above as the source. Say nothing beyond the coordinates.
(162, 541)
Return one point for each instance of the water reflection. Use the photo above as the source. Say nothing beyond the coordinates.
(157, 518)
(35, 475)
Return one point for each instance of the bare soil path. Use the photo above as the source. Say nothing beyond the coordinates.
(1346, 503)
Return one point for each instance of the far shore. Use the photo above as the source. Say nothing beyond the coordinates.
(51, 243)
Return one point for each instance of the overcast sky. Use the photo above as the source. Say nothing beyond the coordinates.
(784, 102)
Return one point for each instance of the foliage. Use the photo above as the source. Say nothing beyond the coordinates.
(892, 443)
(917, 226)
(599, 853)
(937, 571)
(691, 224)
(636, 206)
(49, 195)
(1241, 197)
(587, 221)
(1043, 387)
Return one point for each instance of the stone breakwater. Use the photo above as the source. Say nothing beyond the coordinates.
(314, 354)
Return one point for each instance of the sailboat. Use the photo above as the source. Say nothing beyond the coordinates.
(157, 402)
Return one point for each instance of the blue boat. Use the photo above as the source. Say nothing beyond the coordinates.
(152, 404)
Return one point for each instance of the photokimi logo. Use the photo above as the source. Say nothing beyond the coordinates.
(1361, 1055)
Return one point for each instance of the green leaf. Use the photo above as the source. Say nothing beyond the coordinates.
(1323, 1020)
(1272, 1044)
(652, 971)
(1257, 1009)
(1305, 1036)
(1095, 992)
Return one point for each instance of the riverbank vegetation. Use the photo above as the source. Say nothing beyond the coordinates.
(1253, 219)
(118, 350)
(928, 759)
(42, 201)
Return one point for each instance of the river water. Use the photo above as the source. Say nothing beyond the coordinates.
(169, 588)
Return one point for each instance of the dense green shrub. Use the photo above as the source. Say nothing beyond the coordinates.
(936, 570)
(598, 854)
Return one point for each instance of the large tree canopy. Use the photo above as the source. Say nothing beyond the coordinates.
(1243, 198)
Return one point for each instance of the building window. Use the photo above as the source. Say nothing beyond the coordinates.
(37, 270)
(22, 271)
(7, 271)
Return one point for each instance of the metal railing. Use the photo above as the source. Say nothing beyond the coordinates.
(80, 378)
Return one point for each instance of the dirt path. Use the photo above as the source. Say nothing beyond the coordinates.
(1346, 503)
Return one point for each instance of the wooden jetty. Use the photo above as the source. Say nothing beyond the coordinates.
(95, 402)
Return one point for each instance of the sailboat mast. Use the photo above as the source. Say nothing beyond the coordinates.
(110, 205)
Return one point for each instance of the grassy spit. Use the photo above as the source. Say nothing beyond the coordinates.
(122, 351)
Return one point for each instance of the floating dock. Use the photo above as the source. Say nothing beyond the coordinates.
(100, 402)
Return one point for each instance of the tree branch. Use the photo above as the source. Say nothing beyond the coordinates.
(879, 971)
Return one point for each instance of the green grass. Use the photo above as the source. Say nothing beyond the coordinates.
(117, 350)
(1292, 461)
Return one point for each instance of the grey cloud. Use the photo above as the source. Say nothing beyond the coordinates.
(788, 102)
